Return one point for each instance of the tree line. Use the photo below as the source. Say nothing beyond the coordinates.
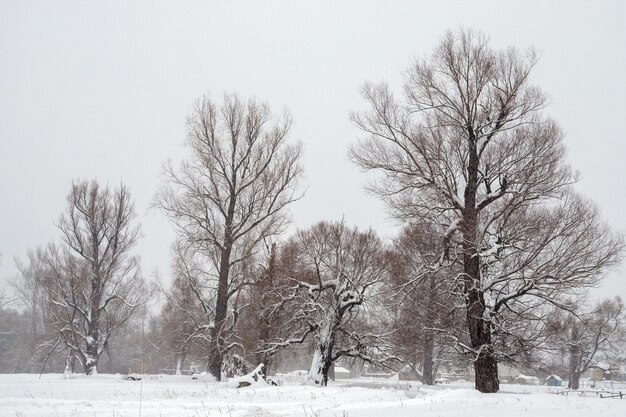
(492, 264)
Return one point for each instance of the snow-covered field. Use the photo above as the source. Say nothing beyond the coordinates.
(112, 396)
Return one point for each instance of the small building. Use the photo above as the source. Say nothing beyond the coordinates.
(526, 380)
(600, 371)
(554, 381)
(342, 373)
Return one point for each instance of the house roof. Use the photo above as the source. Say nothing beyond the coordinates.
(602, 365)
(554, 376)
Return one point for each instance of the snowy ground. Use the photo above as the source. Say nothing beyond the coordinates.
(111, 396)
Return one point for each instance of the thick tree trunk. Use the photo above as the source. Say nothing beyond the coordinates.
(574, 380)
(91, 351)
(321, 364)
(427, 364)
(486, 369)
(485, 365)
(323, 356)
(574, 367)
(216, 356)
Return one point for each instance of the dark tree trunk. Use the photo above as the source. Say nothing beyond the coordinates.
(264, 335)
(486, 369)
(427, 365)
(216, 356)
(485, 366)
(574, 380)
(327, 365)
(92, 339)
(574, 365)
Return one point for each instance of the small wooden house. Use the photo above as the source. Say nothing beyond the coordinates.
(554, 381)
(342, 373)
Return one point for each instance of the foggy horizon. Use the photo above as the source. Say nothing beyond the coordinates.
(103, 92)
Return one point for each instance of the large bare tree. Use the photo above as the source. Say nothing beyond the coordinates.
(336, 277)
(230, 194)
(92, 282)
(470, 149)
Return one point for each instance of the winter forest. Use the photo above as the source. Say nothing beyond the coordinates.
(490, 279)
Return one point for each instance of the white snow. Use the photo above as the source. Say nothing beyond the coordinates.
(254, 378)
(168, 396)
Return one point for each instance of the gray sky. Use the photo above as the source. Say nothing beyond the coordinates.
(102, 91)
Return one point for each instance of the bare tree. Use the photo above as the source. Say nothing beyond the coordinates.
(591, 336)
(93, 284)
(263, 294)
(4, 299)
(12, 338)
(265, 314)
(426, 305)
(32, 296)
(335, 279)
(471, 150)
(188, 305)
(27, 285)
(231, 194)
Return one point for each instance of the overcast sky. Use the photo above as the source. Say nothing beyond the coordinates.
(102, 91)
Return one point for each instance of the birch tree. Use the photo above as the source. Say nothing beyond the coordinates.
(231, 193)
(470, 149)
